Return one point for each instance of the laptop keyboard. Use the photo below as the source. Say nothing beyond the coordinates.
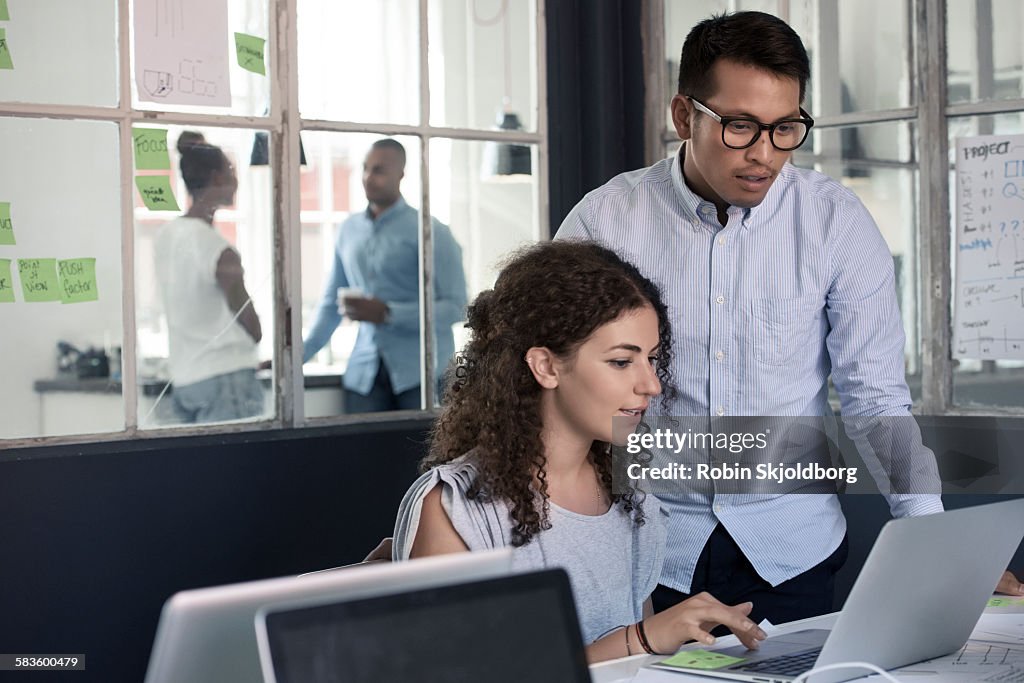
(787, 665)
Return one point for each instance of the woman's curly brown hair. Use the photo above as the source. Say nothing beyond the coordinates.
(554, 295)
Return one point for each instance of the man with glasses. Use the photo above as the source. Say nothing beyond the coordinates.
(776, 279)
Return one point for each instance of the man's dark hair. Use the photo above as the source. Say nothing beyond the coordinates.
(392, 144)
(753, 39)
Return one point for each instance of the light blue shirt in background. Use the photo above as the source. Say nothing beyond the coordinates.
(381, 257)
(763, 311)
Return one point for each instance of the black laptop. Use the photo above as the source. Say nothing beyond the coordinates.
(510, 629)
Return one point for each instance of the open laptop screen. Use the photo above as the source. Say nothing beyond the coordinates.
(516, 628)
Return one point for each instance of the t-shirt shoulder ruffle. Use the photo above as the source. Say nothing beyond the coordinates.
(482, 524)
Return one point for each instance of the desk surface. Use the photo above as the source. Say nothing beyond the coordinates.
(625, 669)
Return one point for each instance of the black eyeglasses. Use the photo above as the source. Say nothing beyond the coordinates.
(740, 132)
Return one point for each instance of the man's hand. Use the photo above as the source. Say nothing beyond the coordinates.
(365, 309)
(1009, 584)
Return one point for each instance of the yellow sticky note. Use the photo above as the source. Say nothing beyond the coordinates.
(156, 192)
(6, 282)
(701, 659)
(4, 14)
(249, 50)
(77, 280)
(6, 225)
(5, 51)
(39, 279)
(150, 149)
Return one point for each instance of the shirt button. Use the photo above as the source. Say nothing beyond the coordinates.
(720, 411)
(718, 507)
(720, 299)
(719, 355)
(721, 240)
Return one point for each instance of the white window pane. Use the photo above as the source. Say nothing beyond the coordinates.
(984, 52)
(250, 92)
(196, 364)
(483, 64)
(384, 265)
(62, 52)
(489, 214)
(359, 61)
(68, 210)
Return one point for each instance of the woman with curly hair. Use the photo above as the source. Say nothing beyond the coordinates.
(570, 339)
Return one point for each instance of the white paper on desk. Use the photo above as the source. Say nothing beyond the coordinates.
(975, 661)
(1000, 628)
(181, 52)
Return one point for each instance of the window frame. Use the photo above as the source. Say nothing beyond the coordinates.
(284, 124)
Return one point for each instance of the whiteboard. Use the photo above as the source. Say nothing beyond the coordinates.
(181, 52)
(988, 313)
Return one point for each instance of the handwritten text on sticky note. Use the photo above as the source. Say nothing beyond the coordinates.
(39, 279)
(250, 53)
(6, 282)
(156, 192)
(150, 149)
(701, 659)
(5, 51)
(1005, 602)
(6, 224)
(77, 280)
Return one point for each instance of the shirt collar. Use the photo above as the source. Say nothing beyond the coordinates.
(699, 209)
(394, 208)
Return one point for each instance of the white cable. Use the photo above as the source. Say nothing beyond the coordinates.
(802, 678)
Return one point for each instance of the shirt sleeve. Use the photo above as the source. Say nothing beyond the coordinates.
(327, 316)
(865, 343)
(449, 287)
(576, 225)
(483, 525)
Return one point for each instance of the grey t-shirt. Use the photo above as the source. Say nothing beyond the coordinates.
(613, 564)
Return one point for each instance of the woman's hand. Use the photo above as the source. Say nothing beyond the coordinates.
(694, 618)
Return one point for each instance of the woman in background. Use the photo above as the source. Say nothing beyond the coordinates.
(570, 339)
(213, 328)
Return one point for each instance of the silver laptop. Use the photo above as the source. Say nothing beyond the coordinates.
(208, 635)
(521, 627)
(919, 595)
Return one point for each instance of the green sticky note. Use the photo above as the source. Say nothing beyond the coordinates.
(39, 279)
(4, 14)
(1005, 602)
(5, 52)
(156, 192)
(6, 282)
(77, 280)
(150, 149)
(701, 659)
(250, 53)
(6, 225)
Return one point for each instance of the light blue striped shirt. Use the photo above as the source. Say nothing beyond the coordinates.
(763, 311)
(380, 256)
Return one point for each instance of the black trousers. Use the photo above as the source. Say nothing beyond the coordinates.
(724, 572)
